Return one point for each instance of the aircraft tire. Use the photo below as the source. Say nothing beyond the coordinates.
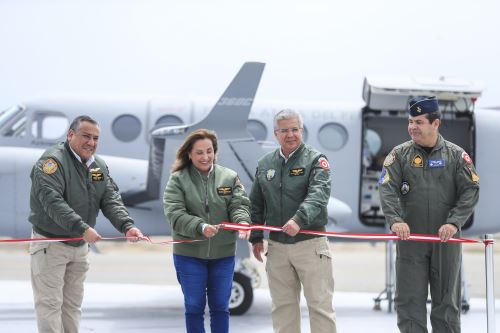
(241, 295)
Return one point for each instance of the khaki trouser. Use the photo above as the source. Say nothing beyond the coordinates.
(57, 275)
(290, 265)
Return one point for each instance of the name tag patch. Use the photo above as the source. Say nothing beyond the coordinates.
(224, 190)
(297, 172)
(436, 163)
(97, 176)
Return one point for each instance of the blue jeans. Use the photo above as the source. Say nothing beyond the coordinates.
(201, 279)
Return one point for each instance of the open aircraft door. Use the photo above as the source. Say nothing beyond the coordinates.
(385, 121)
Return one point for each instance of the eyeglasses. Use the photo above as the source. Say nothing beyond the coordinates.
(294, 130)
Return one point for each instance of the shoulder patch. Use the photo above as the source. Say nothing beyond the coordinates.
(384, 177)
(49, 166)
(389, 159)
(473, 174)
(323, 163)
(466, 158)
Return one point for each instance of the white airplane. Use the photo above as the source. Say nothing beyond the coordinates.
(139, 137)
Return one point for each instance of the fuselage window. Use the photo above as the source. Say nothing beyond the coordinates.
(126, 127)
(169, 119)
(49, 125)
(333, 136)
(257, 129)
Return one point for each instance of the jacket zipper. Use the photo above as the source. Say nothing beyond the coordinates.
(207, 210)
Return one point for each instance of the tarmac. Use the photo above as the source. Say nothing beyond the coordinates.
(132, 288)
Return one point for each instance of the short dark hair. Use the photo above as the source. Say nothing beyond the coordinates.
(75, 124)
(433, 116)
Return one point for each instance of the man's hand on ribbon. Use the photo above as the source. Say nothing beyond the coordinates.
(91, 236)
(447, 231)
(135, 235)
(291, 228)
(401, 229)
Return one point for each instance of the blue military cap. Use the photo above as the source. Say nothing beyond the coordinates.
(422, 104)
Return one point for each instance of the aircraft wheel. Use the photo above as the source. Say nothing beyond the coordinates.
(241, 295)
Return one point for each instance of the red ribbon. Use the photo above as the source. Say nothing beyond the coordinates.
(245, 227)
(378, 237)
(67, 239)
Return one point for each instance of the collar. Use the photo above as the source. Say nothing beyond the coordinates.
(89, 162)
(438, 146)
(202, 175)
(291, 154)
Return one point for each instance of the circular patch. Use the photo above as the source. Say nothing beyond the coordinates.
(323, 163)
(49, 166)
(405, 188)
(466, 158)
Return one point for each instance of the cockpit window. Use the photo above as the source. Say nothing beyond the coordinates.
(49, 125)
(13, 121)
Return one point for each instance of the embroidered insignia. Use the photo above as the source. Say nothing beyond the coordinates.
(94, 169)
(474, 176)
(224, 190)
(270, 174)
(97, 176)
(466, 158)
(297, 172)
(417, 162)
(436, 163)
(49, 166)
(323, 163)
(405, 188)
(419, 110)
(389, 159)
(384, 177)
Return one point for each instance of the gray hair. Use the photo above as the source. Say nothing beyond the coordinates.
(286, 114)
(75, 124)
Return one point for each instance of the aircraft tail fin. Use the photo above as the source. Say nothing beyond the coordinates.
(231, 111)
(228, 118)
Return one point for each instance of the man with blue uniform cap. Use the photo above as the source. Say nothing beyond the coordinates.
(428, 186)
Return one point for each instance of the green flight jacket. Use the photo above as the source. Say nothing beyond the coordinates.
(191, 199)
(66, 197)
(428, 190)
(298, 190)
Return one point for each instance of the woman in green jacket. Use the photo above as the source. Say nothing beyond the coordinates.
(199, 196)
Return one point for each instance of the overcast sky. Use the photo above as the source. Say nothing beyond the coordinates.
(315, 50)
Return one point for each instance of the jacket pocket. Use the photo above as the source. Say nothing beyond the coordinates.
(38, 252)
(323, 251)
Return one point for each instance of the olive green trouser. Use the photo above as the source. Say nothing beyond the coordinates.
(57, 275)
(307, 263)
(419, 265)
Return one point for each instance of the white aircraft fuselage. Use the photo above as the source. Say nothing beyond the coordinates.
(354, 137)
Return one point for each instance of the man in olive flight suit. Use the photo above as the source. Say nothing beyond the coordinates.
(428, 186)
(69, 186)
(291, 191)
